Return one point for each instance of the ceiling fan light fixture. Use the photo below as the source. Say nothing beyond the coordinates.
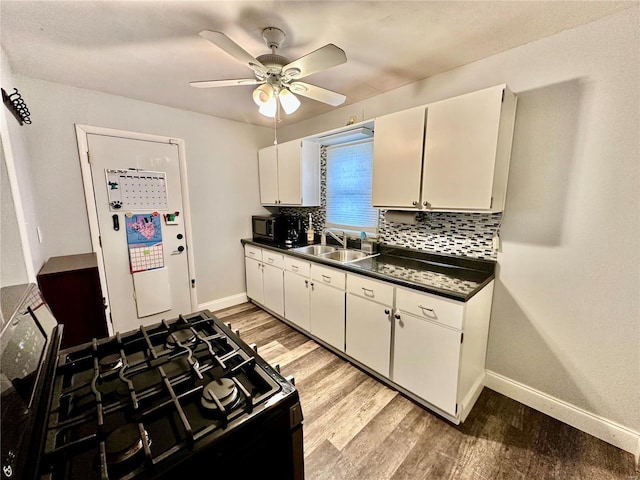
(263, 95)
(289, 101)
(269, 109)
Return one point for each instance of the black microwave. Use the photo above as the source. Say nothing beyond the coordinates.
(269, 228)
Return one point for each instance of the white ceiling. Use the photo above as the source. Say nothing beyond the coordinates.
(151, 50)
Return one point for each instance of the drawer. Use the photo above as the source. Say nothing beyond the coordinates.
(431, 307)
(328, 276)
(272, 258)
(370, 289)
(253, 252)
(296, 265)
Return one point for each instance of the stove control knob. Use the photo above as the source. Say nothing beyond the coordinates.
(277, 367)
(254, 347)
(290, 379)
(236, 331)
(227, 324)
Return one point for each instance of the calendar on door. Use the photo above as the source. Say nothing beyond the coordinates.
(136, 190)
(144, 237)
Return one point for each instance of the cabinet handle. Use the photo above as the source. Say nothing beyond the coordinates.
(270, 260)
(425, 203)
(431, 310)
(368, 290)
(397, 315)
(306, 283)
(252, 254)
(415, 203)
(326, 278)
(311, 285)
(387, 311)
(294, 268)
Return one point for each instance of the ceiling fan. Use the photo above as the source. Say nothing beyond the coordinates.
(276, 76)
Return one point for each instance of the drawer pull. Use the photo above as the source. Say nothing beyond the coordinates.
(428, 312)
(368, 292)
(294, 268)
(270, 260)
(251, 253)
(326, 278)
(387, 311)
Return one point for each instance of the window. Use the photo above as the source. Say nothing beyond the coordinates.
(349, 179)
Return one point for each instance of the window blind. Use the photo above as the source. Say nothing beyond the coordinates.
(349, 180)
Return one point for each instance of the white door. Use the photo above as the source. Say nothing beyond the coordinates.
(426, 361)
(327, 314)
(368, 333)
(289, 174)
(268, 173)
(161, 286)
(296, 299)
(253, 271)
(273, 288)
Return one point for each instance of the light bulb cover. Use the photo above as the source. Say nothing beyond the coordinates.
(263, 94)
(269, 108)
(289, 101)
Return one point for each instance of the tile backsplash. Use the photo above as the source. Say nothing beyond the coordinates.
(466, 234)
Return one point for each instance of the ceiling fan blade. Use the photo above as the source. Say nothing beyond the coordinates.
(317, 93)
(225, 83)
(321, 59)
(233, 49)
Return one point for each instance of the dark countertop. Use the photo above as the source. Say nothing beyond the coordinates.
(451, 276)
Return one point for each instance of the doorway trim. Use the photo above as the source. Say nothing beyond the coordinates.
(82, 132)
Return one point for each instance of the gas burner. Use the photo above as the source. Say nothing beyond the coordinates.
(124, 442)
(110, 363)
(184, 336)
(224, 389)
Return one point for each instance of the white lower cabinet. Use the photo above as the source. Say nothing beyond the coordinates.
(368, 322)
(426, 360)
(273, 288)
(265, 279)
(431, 347)
(253, 274)
(297, 289)
(327, 305)
(368, 333)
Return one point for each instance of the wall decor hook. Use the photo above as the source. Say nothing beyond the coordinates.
(16, 105)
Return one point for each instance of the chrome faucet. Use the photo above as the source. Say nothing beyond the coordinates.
(323, 237)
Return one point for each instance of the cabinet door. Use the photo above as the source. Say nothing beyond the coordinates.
(289, 173)
(253, 271)
(268, 175)
(273, 287)
(296, 299)
(327, 314)
(426, 360)
(397, 158)
(368, 333)
(460, 150)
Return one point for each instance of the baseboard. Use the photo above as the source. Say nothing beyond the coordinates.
(602, 428)
(225, 302)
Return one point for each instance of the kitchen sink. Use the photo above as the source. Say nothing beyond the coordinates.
(346, 255)
(316, 249)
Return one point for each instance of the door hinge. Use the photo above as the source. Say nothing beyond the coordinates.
(456, 408)
(462, 337)
(491, 203)
(502, 95)
(88, 157)
(100, 241)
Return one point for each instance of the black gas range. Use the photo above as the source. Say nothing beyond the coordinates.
(181, 396)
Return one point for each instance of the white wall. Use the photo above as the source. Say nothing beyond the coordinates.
(19, 211)
(566, 312)
(221, 166)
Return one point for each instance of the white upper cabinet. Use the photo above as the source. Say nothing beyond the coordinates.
(290, 173)
(451, 155)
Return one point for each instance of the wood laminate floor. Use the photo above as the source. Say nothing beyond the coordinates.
(356, 428)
